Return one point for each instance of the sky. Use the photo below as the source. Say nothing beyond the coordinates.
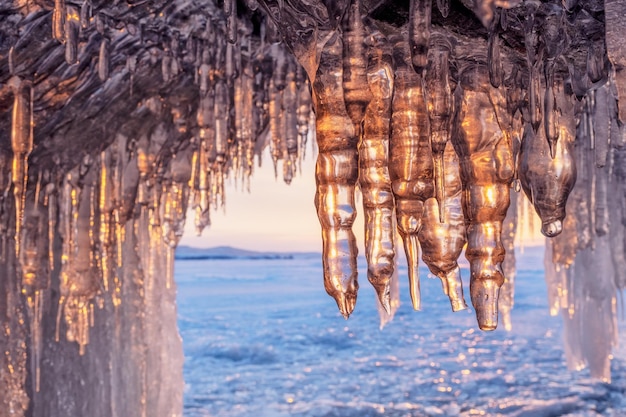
(274, 216)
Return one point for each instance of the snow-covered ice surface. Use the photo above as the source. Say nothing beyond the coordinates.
(262, 338)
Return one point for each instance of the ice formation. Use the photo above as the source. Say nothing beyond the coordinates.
(120, 116)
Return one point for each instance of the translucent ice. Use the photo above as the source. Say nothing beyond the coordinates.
(374, 180)
(486, 157)
(442, 235)
(548, 180)
(411, 163)
(336, 174)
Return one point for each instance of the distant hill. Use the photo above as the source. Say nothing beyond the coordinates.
(228, 252)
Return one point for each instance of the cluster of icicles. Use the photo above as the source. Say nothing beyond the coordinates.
(435, 158)
(251, 93)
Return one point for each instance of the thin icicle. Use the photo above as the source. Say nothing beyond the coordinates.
(493, 54)
(35, 279)
(601, 125)
(355, 86)
(85, 14)
(411, 163)
(104, 60)
(72, 28)
(290, 108)
(444, 7)
(58, 20)
(442, 235)
(507, 291)
(439, 97)
(22, 125)
(601, 206)
(374, 179)
(275, 111)
(419, 32)
(304, 110)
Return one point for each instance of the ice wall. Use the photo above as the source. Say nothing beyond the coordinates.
(119, 116)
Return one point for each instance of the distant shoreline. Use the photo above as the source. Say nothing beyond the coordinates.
(226, 253)
(229, 257)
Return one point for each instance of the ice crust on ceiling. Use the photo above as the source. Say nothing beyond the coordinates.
(119, 116)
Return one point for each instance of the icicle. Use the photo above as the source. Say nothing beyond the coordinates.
(493, 55)
(547, 180)
(290, 102)
(555, 278)
(275, 110)
(504, 20)
(35, 279)
(145, 161)
(444, 7)
(304, 109)
(79, 276)
(553, 35)
(101, 24)
(601, 125)
(103, 60)
(280, 62)
(238, 104)
(85, 14)
(252, 5)
(486, 171)
(565, 245)
(594, 270)
(617, 135)
(204, 72)
(221, 140)
(72, 28)
(534, 103)
(374, 180)
(248, 123)
(355, 87)
(615, 25)
(616, 231)
(551, 114)
(386, 315)
(131, 66)
(419, 32)
(601, 201)
(166, 67)
(507, 291)
(51, 202)
(442, 235)
(105, 208)
(230, 10)
(534, 82)
(597, 70)
(411, 163)
(58, 20)
(439, 97)
(11, 60)
(22, 126)
(336, 177)
(203, 214)
(174, 207)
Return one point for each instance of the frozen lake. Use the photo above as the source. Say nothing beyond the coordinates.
(262, 339)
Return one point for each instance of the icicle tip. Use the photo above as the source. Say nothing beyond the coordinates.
(484, 295)
(553, 228)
